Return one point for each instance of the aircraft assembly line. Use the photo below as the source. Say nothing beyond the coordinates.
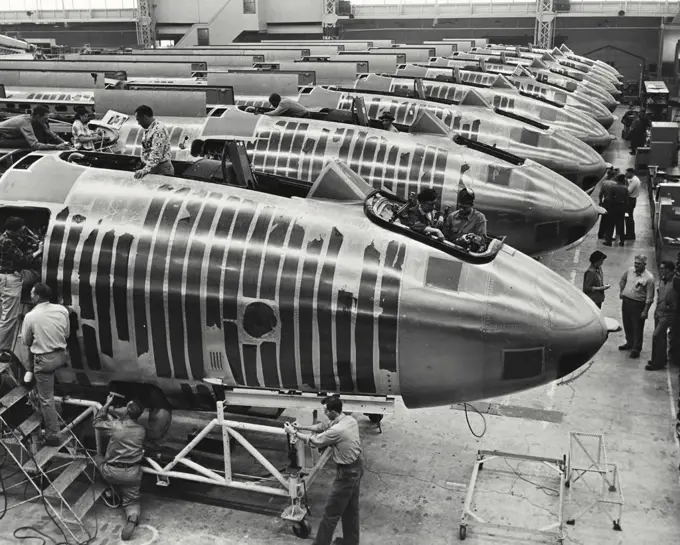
(278, 263)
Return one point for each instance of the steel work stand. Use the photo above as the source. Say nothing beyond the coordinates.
(582, 460)
(292, 483)
(555, 529)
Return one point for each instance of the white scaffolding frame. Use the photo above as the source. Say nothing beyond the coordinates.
(596, 463)
(292, 484)
(554, 529)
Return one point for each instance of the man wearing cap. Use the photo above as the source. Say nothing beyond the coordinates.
(664, 316)
(634, 185)
(636, 291)
(466, 219)
(593, 279)
(387, 120)
(121, 465)
(424, 218)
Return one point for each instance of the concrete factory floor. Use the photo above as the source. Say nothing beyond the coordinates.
(418, 469)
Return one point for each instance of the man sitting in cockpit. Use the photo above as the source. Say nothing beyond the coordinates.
(465, 220)
(424, 218)
(387, 120)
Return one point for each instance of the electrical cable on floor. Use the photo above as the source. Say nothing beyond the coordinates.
(48, 509)
(467, 419)
(542, 488)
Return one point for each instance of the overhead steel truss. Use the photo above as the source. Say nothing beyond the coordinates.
(146, 26)
(544, 31)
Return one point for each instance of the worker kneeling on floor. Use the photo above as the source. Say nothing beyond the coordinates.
(341, 434)
(121, 466)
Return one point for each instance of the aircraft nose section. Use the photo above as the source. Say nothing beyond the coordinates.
(571, 315)
(578, 209)
(470, 332)
(591, 166)
(563, 212)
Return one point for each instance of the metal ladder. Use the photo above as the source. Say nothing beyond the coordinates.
(52, 471)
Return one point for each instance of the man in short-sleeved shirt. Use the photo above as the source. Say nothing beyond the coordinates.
(45, 331)
(634, 185)
(636, 290)
(156, 150)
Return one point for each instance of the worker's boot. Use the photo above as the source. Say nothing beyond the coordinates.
(129, 529)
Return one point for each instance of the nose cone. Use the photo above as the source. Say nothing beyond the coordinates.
(576, 210)
(539, 212)
(585, 128)
(594, 109)
(606, 84)
(470, 332)
(589, 166)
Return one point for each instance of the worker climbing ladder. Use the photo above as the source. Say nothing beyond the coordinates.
(52, 471)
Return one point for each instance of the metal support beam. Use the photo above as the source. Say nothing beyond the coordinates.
(146, 25)
(330, 19)
(544, 31)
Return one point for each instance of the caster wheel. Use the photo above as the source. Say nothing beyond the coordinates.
(567, 484)
(612, 489)
(375, 418)
(302, 529)
(481, 466)
(462, 532)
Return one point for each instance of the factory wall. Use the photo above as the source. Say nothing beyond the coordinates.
(287, 11)
(625, 42)
(77, 34)
(268, 11)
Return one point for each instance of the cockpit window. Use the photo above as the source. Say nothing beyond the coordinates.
(384, 209)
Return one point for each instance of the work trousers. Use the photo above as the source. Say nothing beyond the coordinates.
(158, 426)
(630, 219)
(616, 221)
(343, 503)
(604, 223)
(127, 481)
(10, 308)
(660, 341)
(633, 324)
(44, 366)
(674, 344)
(165, 168)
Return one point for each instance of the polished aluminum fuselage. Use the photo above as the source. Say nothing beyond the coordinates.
(508, 98)
(605, 83)
(526, 84)
(173, 282)
(554, 149)
(537, 209)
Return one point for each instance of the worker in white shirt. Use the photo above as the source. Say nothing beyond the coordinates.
(44, 331)
(634, 185)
